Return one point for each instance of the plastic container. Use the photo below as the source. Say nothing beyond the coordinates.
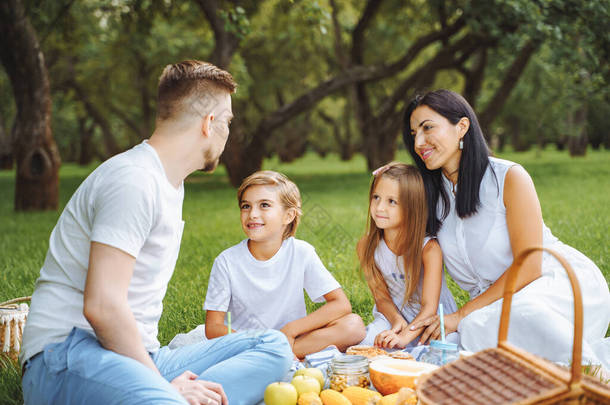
(348, 370)
(440, 353)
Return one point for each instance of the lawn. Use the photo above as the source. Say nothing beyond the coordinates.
(574, 193)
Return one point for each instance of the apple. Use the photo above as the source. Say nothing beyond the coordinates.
(304, 383)
(280, 393)
(312, 372)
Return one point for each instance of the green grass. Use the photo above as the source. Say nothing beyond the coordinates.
(574, 193)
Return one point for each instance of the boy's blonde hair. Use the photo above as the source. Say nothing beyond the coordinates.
(289, 194)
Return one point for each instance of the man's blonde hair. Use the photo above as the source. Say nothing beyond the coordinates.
(289, 194)
(191, 87)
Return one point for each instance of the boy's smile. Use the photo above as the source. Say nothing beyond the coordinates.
(263, 217)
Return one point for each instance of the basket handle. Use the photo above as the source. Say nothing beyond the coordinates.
(16, 300)
(509, 290)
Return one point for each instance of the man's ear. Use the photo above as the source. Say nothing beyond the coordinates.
(463, 125)
(206, 123)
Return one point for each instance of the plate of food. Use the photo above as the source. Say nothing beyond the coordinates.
(367, 351)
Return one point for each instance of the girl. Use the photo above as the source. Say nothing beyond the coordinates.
(403, 267)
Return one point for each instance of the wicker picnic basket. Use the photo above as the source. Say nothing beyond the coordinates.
(510, 375)
(12, 321)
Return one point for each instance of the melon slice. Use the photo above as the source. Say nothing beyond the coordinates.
(390, 375)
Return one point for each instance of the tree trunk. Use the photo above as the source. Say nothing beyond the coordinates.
(38, 161)
(501, 143)
(519, 144)
(381, 147)
(6, 148)
(577, 143)
(240, 157)
(495, 105)
(474, 77)
(110, 143)
(86, 147)
(346, 149)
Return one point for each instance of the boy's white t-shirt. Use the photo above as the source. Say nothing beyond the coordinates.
(127, 203)
(267, 294)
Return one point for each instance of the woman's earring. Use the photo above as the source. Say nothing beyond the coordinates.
(461, 144)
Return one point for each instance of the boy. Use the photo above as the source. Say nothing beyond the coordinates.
(261, 279)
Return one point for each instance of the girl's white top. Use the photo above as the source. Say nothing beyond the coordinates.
(392, 269)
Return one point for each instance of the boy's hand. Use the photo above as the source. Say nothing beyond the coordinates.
(289, 335)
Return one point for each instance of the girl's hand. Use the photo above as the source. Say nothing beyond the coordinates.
(388, 339)
(433, 326)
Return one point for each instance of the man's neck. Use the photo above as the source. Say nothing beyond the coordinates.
(175, 155)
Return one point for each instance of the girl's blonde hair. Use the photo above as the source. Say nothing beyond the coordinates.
(289, 194)
(412, 201)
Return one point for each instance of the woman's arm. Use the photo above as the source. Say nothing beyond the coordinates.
(215, 324)
(337, 305)
(524, 223)
(432, 260)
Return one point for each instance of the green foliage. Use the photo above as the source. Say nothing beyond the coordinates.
(573, 194)
(116, 51)
(10, 383)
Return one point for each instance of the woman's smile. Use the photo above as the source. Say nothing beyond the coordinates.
(425, 153)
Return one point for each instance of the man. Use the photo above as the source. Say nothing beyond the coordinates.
(91, 335)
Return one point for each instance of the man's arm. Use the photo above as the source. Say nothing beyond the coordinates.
(106, 306)
(107, 310)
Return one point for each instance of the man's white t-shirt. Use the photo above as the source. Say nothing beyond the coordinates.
(267, 294)
(127, 203)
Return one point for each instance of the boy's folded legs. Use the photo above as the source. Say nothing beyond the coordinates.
(344, 332)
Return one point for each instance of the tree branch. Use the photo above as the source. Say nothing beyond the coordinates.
(424, 76)
(495, 105)
(339, 51)
(353, 75)
(371, 8)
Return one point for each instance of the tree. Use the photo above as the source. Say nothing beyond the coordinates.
(6, 148)
(35, 150)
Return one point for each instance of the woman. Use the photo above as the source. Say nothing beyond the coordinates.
(487, 211)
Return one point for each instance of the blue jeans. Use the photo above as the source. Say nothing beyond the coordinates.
(80, 371)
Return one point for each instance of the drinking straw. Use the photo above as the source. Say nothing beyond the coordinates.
(442, 318)
(229, 321)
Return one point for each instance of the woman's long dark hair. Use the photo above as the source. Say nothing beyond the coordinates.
(473, 163)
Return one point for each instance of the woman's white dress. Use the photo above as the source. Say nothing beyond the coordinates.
(477, 251)
(392, 270)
